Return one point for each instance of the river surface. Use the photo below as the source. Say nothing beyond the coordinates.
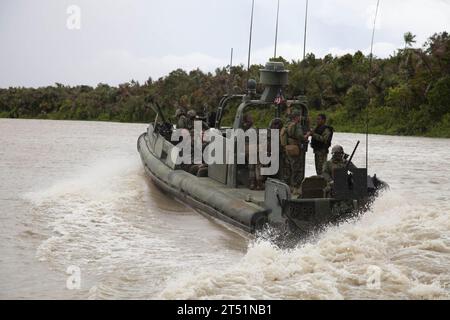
(74, 196)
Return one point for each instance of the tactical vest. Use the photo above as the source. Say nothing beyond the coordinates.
(318, 145)
(286, 136)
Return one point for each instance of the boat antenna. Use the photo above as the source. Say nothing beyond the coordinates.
(250, 37)
(230, 78)
(231, 59)
(276, 30)
(306, 29)
(368, 84)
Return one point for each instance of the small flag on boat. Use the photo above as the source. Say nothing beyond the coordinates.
(279, 99)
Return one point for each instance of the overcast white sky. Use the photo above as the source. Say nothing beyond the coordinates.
(137, 39)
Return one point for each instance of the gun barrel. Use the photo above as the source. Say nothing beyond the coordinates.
(353, 154)
(160, 112)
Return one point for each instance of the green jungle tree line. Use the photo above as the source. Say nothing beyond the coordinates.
(405, 94)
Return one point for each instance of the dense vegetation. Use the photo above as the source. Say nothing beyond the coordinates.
(406, 94)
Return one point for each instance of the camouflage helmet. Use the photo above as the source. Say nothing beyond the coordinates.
(276, 123)
(337, 150)
(192, 114)
(179, 112)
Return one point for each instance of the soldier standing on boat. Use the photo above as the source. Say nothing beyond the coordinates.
(293, 141)
(322, 137)
(276, 124)
(256, 181)
(191, 117)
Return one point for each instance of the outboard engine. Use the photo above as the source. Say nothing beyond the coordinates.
(375, 186)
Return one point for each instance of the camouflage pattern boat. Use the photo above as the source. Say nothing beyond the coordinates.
(224, 192)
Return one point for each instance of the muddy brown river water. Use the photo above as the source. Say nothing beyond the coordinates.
(74, 195)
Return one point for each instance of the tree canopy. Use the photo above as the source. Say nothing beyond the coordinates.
(407, 93)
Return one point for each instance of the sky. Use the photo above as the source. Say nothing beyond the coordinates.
(43, 42)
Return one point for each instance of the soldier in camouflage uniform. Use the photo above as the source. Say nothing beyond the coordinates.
(276, 124)
(199, 170)
(322, 136)
(191, 117)
(256, 181)
(337, 162)
(293, 141)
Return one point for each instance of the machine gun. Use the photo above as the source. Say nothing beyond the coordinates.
(154, 105)
(164, 127)
(350, 181)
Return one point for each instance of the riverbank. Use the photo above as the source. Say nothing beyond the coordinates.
(337, 119)
(382, 122)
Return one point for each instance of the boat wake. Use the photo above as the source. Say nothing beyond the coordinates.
(131, 241)
(398, 250)
(125, 235)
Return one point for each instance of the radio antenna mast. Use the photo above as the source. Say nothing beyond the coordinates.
(250, 38)
(368, 83)
(306, 29)
(276, 30)
(230, 78)
(231, 59)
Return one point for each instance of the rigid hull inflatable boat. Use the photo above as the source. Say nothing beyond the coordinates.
(224, 192)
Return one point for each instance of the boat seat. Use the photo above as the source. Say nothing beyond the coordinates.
(314, 188)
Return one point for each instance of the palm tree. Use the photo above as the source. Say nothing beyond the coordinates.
(409, 39)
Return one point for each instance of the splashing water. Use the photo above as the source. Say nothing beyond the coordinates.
(403, 242)
(100, 223)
